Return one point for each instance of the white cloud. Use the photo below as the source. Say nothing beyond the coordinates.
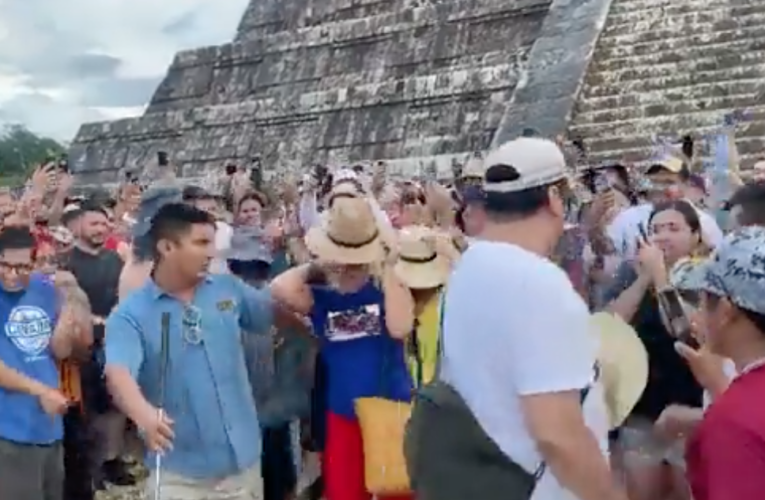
(66, 62)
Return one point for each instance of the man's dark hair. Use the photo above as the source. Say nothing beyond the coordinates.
(517, 204)
(92, 206)
(751, 199)
(195, 193)
(16, 238)
(174, 220)
(684, 174)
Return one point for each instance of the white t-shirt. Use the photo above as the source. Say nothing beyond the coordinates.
(624, 231)
(514, 326)
(223, 235)
(730, 371)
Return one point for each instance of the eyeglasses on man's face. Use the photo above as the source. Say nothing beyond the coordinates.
(16, 267)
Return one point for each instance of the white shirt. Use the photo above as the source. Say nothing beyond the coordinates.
(729, 368)
(515, 326)
(624, 231)
(223, 234)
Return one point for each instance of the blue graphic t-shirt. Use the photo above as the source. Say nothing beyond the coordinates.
(29, 318)
(362, 360)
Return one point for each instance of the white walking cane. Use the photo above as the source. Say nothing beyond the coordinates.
(164, 355)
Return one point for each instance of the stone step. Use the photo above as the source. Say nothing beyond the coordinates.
(709, 12)
(448, 88)
(390, 71)
(708, 57)
(670, 6)
(697, 32)
(691, 47)
(603, 85)
(265, 18)
(236, 72)
(623, 107)
(672, 67)
(357, 30)
(712, 62)
(660, 124)
(719, 106)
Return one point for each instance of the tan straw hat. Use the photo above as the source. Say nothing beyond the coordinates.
(419, 264)
(623, 365)
(348, 233)
(344, 190)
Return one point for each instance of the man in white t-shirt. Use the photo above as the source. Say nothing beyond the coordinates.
(516, 341)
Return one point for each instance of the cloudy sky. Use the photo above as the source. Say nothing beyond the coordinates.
(65, 62)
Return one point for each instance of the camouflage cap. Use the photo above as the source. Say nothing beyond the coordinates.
(737, 269)
(686, 274)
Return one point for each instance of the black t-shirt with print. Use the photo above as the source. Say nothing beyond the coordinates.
(670, 381)
(98, 275)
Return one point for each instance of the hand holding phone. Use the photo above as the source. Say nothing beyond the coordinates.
(63, 164)
(602, 183)
(678, 322)
(650, 258)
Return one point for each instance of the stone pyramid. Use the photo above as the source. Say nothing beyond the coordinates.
(424, 83)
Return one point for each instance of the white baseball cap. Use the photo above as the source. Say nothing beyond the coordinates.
(538, 162)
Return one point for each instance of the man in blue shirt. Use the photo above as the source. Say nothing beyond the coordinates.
(31, 429)
(187, 390)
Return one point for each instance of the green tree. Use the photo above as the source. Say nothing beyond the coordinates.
(21, 151)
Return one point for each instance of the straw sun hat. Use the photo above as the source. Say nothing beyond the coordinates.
(623, 364)
(348, 233)
(420, 266)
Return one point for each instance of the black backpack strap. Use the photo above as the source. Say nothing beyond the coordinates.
(540, 470)
(414, 349)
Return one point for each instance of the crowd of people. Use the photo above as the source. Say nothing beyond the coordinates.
(534, 327)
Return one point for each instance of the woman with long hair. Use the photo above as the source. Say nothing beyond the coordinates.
(674, 233)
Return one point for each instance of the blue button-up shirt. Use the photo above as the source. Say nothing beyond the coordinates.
(207, 392)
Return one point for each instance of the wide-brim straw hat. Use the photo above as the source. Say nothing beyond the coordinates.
(347, 234)
(623, 364)
(419, 265)
(344, 189)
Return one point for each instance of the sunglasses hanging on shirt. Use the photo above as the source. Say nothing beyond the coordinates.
(191, 322)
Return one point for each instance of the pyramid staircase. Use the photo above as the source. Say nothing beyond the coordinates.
(667, 67)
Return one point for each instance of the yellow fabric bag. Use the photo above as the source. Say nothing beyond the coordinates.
(382, 423)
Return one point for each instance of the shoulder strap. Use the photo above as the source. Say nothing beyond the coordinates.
(540, 470)
(440, 333)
